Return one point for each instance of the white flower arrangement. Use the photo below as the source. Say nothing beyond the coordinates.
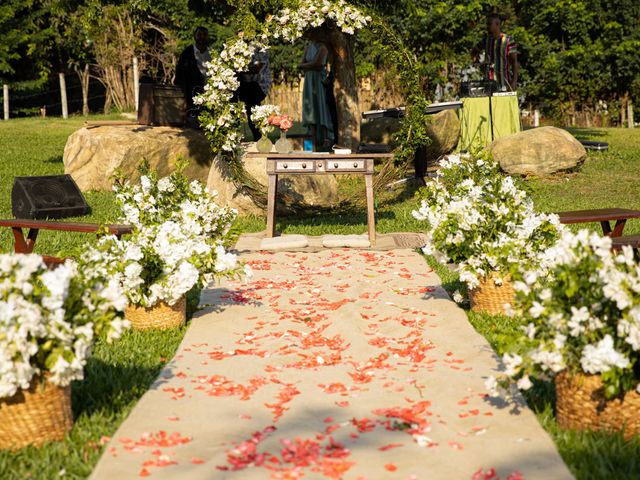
(261, 115)
(177, 242)
(583, 316)
(476, 217)
(221, 119)
(48, 319)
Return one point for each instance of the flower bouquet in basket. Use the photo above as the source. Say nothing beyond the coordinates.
(582, 330)
(178, 243)
(48, 322)
(477, 218)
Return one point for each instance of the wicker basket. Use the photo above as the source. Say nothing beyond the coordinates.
(491, 298)
(159, 316)
(580, 404)
(34, 416)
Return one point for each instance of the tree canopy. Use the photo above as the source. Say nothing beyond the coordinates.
(575, 55)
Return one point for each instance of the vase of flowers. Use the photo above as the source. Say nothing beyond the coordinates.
(477, 218)
(48, 322)
(283, 144)
(261, 116)
(264, 144)
(582, 331)
(177, 243)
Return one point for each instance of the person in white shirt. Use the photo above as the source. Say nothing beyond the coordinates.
(191, 71)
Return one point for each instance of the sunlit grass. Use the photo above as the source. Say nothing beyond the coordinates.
(118, 374)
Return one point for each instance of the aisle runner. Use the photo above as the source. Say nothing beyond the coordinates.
(346, 364)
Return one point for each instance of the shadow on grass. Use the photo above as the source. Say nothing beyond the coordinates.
(117, 374)
(346, 214)
(54, 159)
(107, 387)
(582, 134)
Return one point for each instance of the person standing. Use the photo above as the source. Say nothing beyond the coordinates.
(316, 116)
(500, 55)
(254, 87)
(191, 71)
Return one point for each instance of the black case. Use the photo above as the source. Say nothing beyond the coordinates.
(51, 196)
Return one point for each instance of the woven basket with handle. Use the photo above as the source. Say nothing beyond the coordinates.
(160, 316)
(580, 404)
(35, 416)
(491, 298)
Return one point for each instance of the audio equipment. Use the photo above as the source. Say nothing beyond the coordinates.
(51, 196)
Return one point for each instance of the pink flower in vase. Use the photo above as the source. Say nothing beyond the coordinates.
(285, 123)
(274, 120)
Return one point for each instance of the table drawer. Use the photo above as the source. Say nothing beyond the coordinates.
(356, 165)
(284, 166)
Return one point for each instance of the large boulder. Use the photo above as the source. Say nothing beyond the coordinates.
(92, 155)
(318, 190)
(539, 151)
(444, 132)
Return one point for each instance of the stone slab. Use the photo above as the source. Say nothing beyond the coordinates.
(251, 242)
(285, 242)
(346, 241)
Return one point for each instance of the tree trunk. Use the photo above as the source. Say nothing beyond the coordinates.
(346, 89)
(623, 109)
(83, 75)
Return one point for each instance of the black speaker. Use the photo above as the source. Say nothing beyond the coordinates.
(51, 196)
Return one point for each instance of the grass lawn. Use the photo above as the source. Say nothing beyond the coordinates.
(117, 375)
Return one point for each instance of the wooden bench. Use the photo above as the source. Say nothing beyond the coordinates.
(26, 245)
(604, 216)
(632, 241)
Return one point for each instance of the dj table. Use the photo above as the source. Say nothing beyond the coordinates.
(400, 111)
(485, 119)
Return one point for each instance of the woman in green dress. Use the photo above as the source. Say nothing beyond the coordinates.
(316, 116)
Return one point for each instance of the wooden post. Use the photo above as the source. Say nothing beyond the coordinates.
(5, 100)
(630, 114)
(136, 82)
(63, 96)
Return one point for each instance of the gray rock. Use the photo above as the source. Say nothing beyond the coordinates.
(444, 133)
(539, 151)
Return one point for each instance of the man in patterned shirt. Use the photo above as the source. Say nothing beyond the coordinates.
(500, 55)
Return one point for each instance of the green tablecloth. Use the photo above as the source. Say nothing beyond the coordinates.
(475, 132)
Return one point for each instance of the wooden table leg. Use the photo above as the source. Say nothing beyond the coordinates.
(20, 244)
(272, 192)
(371, 218)
(606, 228)
(618, 229)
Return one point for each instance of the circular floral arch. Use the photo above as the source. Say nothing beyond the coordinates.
(222, 119)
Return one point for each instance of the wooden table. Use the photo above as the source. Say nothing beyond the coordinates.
(305, 163)
(26, 245)
(604, 216)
